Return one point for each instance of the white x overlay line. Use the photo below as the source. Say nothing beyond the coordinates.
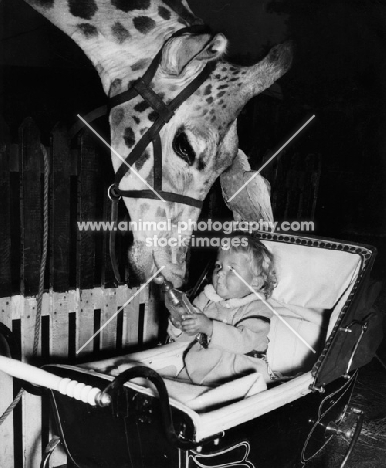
(270, 159)
(117, 312)
(120, 157)
(259, 296)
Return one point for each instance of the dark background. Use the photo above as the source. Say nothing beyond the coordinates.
(338, 74)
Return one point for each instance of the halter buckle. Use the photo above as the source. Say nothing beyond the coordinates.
(112, 193)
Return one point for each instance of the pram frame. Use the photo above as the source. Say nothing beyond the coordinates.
(319, 383)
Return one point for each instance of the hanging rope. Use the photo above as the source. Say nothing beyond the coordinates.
(11, 407)
(44, 254)
(43, 261)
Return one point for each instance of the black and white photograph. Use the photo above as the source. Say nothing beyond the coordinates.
(192, 233)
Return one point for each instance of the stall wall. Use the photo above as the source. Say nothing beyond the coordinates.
(80, 295)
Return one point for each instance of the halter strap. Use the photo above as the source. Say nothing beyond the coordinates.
(165, 111)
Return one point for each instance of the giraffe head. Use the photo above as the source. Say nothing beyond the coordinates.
(198, 143)
(121, 38)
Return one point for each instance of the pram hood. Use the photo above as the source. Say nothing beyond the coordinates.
(344, 286)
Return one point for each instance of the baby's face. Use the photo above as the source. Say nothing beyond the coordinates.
(225, 282)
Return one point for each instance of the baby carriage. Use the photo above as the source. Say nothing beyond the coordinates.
(131, 412)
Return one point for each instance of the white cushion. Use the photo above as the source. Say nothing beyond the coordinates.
(202, 398)
(310, 282)
(311, 277)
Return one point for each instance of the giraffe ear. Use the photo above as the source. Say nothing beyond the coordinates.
(180, 51)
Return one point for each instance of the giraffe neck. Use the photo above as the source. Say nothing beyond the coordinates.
(120, 37)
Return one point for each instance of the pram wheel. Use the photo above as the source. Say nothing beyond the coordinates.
(349, 430)
(344, 438)
(334, 428)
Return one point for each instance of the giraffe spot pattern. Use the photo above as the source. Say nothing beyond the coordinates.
(160, 213)
(141, 106)
(223, 86)
(139, 65)
(84, 10)
(153, 116)
(164, 13)
(47, 4)
(115, 86)
(208, 89)
(220, 94)
(209, 100)
(136, 119)
(201, 164)
(141, 160)
(117, 115)
(129, 137)
(145, 208)
(129, 5)
(181, 11)
(143, 24)
(99, 68)
(119, 32)
(88, 30)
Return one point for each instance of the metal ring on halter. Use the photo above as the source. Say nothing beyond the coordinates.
(112, 193)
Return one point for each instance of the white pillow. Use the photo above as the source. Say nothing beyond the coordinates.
(311, 277)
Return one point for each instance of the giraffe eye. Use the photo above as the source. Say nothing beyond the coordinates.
(183, 148)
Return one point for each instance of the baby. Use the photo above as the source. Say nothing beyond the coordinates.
(228, 334)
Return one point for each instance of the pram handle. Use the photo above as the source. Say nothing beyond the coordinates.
(145, 372)
(20, 370)
(94, 396)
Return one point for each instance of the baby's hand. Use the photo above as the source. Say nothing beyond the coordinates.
(197, 323)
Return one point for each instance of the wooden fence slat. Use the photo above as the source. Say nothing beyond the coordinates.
(151, 322)
(6, 429)
(29, 139)
(32, 407)
(109, 332)
(5, 224)
(87, 188)
(61, 210)
(6, 386)
(130, 318)
(59, 326)
(85, 322)
(60, 306)
(32, 446)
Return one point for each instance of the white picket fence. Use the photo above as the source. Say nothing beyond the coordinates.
(70, 319)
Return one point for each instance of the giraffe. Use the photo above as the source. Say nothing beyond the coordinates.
(198, 142)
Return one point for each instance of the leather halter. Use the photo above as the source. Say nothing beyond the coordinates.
(165, 111)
